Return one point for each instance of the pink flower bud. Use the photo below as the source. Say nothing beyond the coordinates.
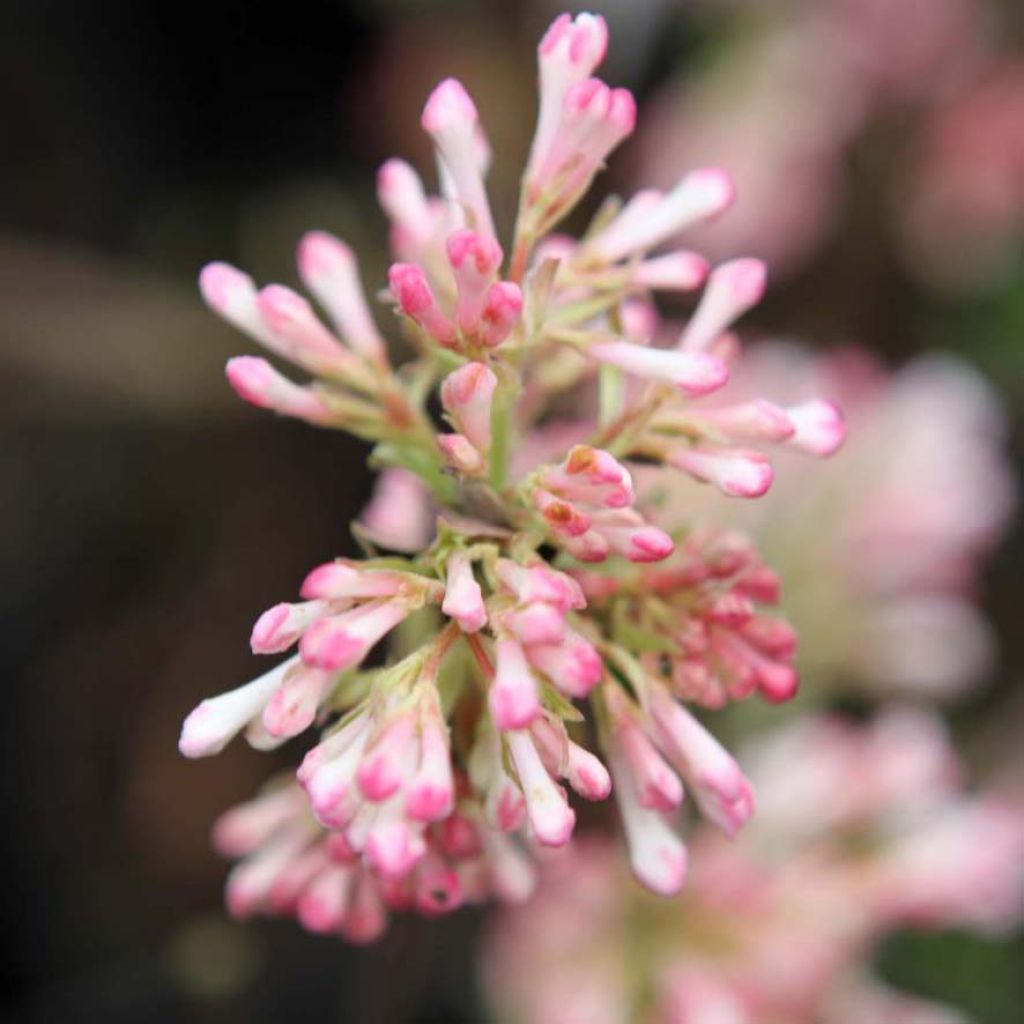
(714, 777)
(393, 848)
(383, 767)
(590, 475)
(415, 297)
(430, 795)
(536, 623)
(819, 425)
(250, 825)
(580, 768)
(573, 665)
(328, 775)
(757, 420)
(502, 310)
(460, 454)
(737, 472)
(450, 118)
(656, 854)
(657, 787)
(629, 535)
(217, 720)
(328, 269)
(540, 583)
(467, 395)
(569, 52)
(697, 197)
(322, 906)
(293, 706)
(399, 516)
(342, 580)
(279, 627)
(250, 881)
(291, 318)
(587, 547)
(255, 381)
(551, 818)
(732, 289)
(342, 641)
(437, 886)
(414, 221)
(513, 698)
(232, 295)
(474, 260)
(694, 373)
(676, 272)
(561, 516)
(463, 599)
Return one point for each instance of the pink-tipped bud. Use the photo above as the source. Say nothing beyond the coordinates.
(279, 627)
(467, 395)
(720, 788)
(656, 854)
(399, 515)
(293, 706)
(551, 818)
(502, 310)
(573, 665)
(383, 767)
(412, 290)
(450, 118)
(675, 272)
(657, 787)
(248, 826)
(590, 475)
(540, 582)
(430, 796)
(341, 581)
(328, 269)
(537, 623)
(694, 373)
(474, 260)
(573, 46)
(322, 906)
(217, 720)
(579, 767)
(513, 697)
(699, 196)
(564, 518)
(291, 318)
(342, 641)
(460, 454)
(587, 547)
(629, 535)
(255, 381)
(393, 848)
(757, 420)
(569, 52)
(463, 598)
(231, 294)
(414, 221)
(737, 472)
(819, 424)
(732, 289)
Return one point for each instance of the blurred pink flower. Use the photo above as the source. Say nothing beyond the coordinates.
(782, 922)
(962, 200)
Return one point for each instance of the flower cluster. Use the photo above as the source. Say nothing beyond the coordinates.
(776, 927)
(544, 583)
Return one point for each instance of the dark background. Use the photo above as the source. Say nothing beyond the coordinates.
(147, 517)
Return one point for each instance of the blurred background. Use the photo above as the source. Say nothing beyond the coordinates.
(149, 516)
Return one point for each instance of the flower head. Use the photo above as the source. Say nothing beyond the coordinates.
(543, 632)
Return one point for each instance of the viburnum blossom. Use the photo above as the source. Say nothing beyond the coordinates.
(542, 581)
(862, 829)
